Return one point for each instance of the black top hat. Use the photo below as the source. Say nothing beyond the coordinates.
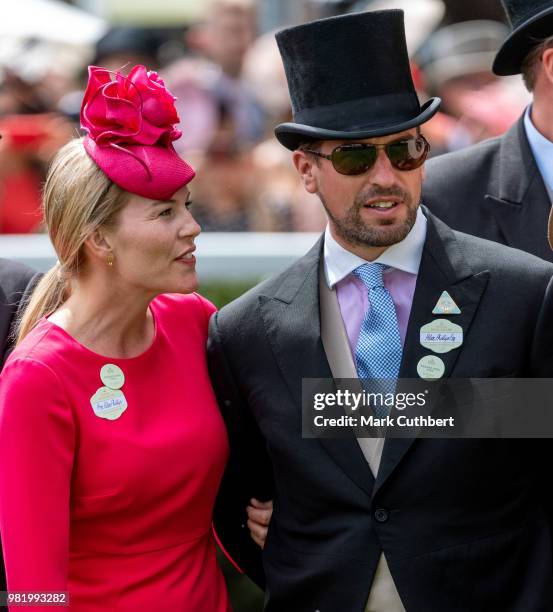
(531, 21)
(349, 78)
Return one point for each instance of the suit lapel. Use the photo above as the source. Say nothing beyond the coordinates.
(338, 352)
(518, 197)
(443, 268)
(293, 326)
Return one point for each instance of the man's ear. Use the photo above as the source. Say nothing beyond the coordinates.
(98, 245)
(305, 165)
(547, 61)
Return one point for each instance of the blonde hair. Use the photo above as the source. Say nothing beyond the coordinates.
(78, 199)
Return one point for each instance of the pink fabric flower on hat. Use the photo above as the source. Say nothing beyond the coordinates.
(137, 109)
(134, 117)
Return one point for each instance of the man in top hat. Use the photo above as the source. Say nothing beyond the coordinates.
(368, 524)
(502, 189)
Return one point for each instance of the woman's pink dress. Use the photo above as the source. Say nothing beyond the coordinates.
(116, 512)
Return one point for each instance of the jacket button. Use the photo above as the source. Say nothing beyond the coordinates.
(381, 515)
(227, 403)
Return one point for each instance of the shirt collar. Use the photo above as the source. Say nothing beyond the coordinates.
(542, 148)
(405, 255)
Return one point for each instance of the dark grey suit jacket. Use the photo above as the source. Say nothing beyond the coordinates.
(493, 190)
(464, 524)
(16, 283)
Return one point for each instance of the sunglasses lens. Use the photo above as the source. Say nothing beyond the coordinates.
(358, 158)
(354, 159)
(408, 154)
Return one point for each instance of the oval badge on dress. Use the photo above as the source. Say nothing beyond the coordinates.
(112, 376)
(108, 403)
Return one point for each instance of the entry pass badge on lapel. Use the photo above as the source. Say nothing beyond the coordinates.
(109, 402)
(430, 367)
(446, 305)
(441, 336)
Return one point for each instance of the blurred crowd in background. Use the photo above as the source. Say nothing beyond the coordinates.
(225, 70)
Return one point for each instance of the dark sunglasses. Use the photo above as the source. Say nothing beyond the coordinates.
(357, 158)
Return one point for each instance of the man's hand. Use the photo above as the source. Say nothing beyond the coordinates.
(259, 516)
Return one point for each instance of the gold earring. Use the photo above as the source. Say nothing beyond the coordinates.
(109, 260)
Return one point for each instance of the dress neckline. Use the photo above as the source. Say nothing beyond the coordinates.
(84, 348)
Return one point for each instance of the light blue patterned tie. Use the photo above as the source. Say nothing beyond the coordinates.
(379, 348)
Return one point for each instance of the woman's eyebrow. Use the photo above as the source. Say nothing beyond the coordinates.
(162, 202)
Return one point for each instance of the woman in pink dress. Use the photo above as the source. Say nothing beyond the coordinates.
(111, 443)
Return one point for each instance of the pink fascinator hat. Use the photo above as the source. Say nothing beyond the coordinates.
(130, 127)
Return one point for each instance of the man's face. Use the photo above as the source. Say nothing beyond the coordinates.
(374, 209)
(231, 33)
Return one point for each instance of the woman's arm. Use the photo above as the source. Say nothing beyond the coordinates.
(37, 439)
(248, 473)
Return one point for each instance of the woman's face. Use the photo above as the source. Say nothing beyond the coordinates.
(153, 244)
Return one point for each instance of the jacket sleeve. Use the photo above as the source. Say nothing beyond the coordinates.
(17, 283)
(542, 343)
(542, 367)
(37, 435)
(248, 473)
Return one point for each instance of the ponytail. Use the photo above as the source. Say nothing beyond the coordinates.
(50, 293)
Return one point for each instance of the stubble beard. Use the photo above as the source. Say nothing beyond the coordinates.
(353, 230)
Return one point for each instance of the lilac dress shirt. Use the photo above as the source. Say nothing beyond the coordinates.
(400, 277)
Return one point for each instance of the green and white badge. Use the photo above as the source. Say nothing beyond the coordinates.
(108, 403)
(441, 336)
(112, 376)
(446, 305)
(430, 367)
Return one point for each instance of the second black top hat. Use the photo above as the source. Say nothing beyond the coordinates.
(349, 78)
(531, 21)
